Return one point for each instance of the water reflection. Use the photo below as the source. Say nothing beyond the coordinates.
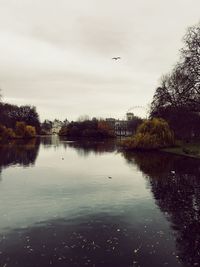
(50, 141)
(99, 240)
(66, 212)
(19, 152)
(85, 148)
(175, 184)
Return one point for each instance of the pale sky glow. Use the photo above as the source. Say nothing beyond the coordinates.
(56, 55)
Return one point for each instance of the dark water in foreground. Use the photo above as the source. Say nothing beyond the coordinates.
(85, 204)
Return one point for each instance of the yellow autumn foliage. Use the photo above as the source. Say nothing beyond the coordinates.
(151, 134)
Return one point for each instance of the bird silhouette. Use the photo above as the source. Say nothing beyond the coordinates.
(116, 58)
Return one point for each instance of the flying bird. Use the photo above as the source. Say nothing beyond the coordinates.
(116, 58)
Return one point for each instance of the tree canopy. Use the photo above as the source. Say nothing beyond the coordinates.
(88, 128)
(177, 99)
(151, 134)
(10, 114)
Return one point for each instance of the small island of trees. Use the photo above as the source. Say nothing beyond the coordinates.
(88, 129)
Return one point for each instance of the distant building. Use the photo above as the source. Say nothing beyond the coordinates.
(56, 126)
(65, 122)
(129, 116)
(121, 127)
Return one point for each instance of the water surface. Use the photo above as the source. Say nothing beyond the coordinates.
(68, 203)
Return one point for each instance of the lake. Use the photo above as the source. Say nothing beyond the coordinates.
(65, 203)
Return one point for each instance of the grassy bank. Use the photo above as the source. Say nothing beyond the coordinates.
(185, 149)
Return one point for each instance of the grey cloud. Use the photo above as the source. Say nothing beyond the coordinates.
(57, 54)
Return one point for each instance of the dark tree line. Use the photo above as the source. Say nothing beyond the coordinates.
(46, 127)
(10, 114)
(88, 128)
(177, 99)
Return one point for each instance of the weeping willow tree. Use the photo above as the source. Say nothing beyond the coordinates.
(151, 134)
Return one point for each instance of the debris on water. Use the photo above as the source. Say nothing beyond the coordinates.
(137, 249)
(109, 177)
(160, 233)
(27, 238)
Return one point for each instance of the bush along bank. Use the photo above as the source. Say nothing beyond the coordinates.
(21, 130)
(151, 135)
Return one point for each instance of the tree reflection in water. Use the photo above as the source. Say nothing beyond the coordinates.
(83, 147)
(175, 184)
(87, 147)
(19, 152)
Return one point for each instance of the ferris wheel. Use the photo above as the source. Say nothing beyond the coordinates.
(136, 107)
(133, 108)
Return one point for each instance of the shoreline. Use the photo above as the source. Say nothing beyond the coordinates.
(179, 152)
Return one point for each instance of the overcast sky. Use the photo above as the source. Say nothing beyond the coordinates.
(56, 54)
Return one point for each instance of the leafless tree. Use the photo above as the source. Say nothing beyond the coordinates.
(178, 96)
